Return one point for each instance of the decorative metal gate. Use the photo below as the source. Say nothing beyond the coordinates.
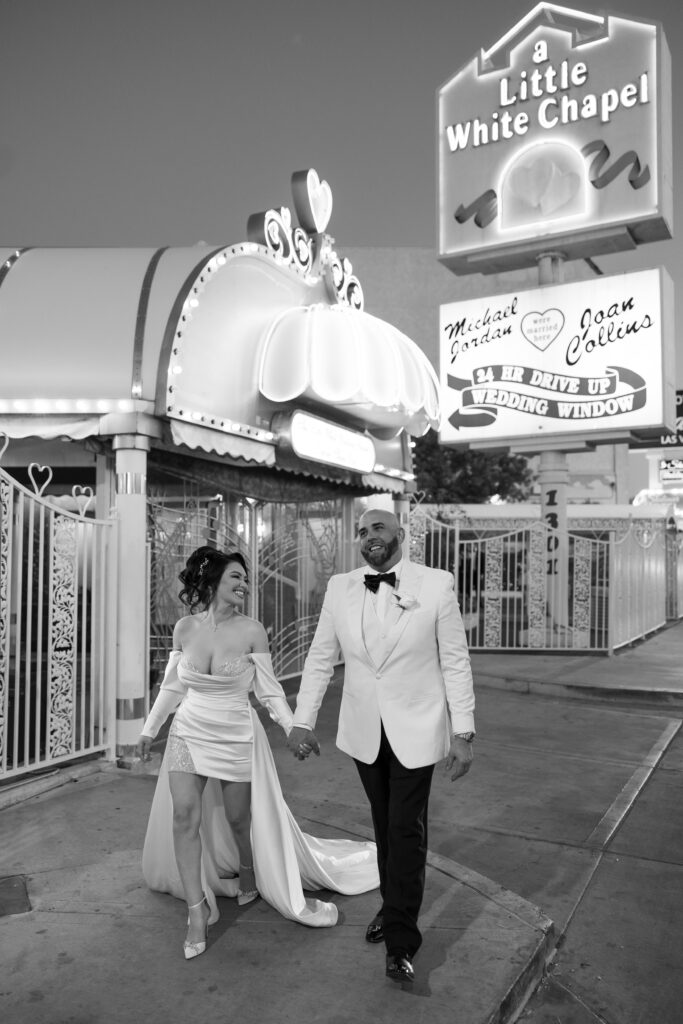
(57, 627)
(616, 580)
(292, 550)
(302, 548)
(176, 526)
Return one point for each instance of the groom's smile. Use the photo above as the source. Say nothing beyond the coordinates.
(380, 542)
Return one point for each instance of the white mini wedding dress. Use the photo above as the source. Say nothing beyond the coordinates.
(216, 733)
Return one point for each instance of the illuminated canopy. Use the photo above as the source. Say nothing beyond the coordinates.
(213, 348)
(353, 361)
(93, 335)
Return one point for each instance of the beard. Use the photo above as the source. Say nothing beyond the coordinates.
(380, 556)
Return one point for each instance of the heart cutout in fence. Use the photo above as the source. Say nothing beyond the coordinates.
(34, 471)
(83, 496)
(541, 329)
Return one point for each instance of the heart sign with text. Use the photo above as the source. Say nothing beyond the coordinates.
(541, 329)
(312, 200)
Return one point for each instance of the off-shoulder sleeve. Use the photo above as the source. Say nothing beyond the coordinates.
(269, 692)
(170, 695)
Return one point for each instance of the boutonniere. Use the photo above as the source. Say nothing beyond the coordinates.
(405, 601)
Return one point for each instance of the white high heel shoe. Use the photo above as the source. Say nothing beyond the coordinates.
(245, 896)
(193, 949)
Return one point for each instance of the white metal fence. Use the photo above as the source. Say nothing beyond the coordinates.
(615, 586)
(58, 600)
(637, 583)
(57, 634)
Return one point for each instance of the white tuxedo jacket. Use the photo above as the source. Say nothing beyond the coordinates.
(410, 672)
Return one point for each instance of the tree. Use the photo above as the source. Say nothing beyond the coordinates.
(449, 475)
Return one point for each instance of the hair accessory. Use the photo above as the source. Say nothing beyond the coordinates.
(203, 565)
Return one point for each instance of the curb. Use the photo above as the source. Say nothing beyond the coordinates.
(530, 973)
(18, 792)
(582, 691)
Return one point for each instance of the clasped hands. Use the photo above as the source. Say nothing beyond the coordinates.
(303, 742)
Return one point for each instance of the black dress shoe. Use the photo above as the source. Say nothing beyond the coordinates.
(375, 930)
(400, 968)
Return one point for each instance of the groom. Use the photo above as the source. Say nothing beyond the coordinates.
(407, 702)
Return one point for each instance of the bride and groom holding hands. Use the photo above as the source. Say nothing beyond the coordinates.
(219, 824)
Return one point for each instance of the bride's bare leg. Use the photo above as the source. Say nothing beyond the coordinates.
(186, 792)
(237, 803)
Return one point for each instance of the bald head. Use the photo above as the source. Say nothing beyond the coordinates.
(377, 514)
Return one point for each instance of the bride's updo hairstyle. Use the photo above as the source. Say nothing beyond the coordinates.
(202, 574)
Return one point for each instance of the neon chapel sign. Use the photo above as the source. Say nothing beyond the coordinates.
(553, 110)
(558, 135)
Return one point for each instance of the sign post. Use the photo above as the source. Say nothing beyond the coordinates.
(553, 479)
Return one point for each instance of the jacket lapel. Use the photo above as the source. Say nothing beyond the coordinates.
(356, 599)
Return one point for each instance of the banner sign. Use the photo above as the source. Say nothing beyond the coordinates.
(671, 470)
(673, 440)
(558, 136)
(591, 358)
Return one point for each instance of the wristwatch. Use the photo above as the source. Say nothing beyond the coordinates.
(467, 736)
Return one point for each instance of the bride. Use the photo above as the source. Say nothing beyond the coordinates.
(219, 825)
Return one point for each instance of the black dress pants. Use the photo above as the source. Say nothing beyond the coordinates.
(399, 798)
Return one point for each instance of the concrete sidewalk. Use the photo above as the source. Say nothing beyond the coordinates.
(97, 946)
(649, 672)
(513, 849)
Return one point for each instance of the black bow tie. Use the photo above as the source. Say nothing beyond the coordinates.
(373, 580)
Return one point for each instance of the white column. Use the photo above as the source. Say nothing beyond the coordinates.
(132, 592)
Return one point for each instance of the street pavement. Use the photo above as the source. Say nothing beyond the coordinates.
(555, 869)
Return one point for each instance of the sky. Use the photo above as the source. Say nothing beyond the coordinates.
(167, 122)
